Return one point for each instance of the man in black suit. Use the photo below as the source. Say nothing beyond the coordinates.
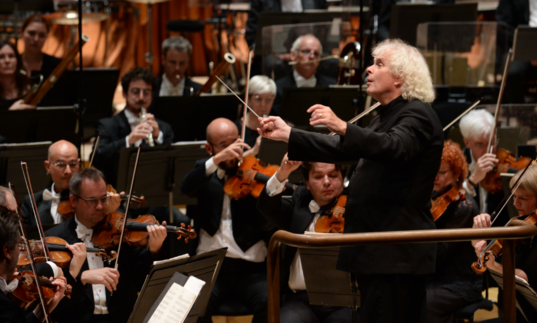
(306, 52)
(61, 163)
(93, 281)
(398, 158)
(176, 53)
(222, 222)
(127, 129)
(9, 255)
(324, 185)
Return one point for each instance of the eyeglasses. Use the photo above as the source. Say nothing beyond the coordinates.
(258, 99)
(136, 91)
(72, 164)
(94, 202)
(306, 52)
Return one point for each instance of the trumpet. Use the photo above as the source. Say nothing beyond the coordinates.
(149, 138)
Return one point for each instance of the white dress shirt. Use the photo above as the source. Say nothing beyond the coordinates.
(133, 122)
(533, 13)
(55, 198)
(168, 89)
(94, 262)
(482, 192)
(224, 236)
(296, 274)
(303, 82)
(292, 6)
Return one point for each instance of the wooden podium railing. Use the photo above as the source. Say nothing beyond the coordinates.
(516, 230)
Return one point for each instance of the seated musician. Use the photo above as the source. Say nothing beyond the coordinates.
(525, 201)
(13, 84)
(9, 256)
(126, 129)
(454, 284)
(306, 51)
(324, 185)
(223, 222)
(34, 34)
(92, 281)
(476, 128)
(176, 53)
(261, 93)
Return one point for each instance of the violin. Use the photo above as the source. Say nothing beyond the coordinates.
(251, 178)
(492, 182)
(106, 234)
(59, 254)
(441, 203)
(332, 220)
(26, 292)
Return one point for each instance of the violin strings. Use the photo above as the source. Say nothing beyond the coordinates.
(252, 110)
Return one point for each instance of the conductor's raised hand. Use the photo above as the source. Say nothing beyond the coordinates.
(231, 152)
(323, 115)
(274, 128)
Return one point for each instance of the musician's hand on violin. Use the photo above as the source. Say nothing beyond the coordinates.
(231, 152)
(323, 115)
(157, 234)
(274, 128)
(108, 277)
(20, 105)
(479, 246)
(286, 168)
(79, 257)
(254, 150)
(482, 221)
(139, 132)
(150, 118)
(59, 293)
(485, 164)
(114, 201)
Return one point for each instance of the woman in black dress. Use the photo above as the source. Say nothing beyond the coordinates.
(13, 83)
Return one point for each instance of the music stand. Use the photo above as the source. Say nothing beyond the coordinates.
(34, 154)
(524, 44)
(8, 7)
(205, 266)
(189, 116)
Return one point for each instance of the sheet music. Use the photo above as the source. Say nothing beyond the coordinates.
(175, 305)
(521, 286)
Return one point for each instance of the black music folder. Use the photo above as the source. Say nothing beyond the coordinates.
(524, 44)
(160, 279)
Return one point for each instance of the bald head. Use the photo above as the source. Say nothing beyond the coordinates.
(221, 129)
(62, 162)
(62, 147)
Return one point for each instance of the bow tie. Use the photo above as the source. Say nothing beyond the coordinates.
(314, 207)
(83, 232)
(49, 196)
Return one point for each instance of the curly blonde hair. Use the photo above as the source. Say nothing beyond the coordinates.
(407, 63)
(453, 155)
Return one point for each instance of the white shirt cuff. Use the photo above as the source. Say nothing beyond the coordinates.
(274, 186)
(160, 138)
(127, 141)
(210, 167)
(54, 268)
(472, 193)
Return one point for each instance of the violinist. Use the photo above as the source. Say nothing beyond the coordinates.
(223, 222)
(93, 281)
(324, 185)
(454, 284)
(9, 239)
(13, 84)
(398, 157)
(525, 201)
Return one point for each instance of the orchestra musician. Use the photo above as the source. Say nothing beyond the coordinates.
(176, 52)
(9, 242)
(525, 201)
(324, 185)
(93, 282)
(13, 84)
(34, 34)
(476, 128)
(398, 157)
(223, 222)
(306, 51)
(454, 284)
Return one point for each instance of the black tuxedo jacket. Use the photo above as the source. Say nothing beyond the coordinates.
(289, 81)
(249, 226)
(398, 157)
(11, 313)
(113, 132)
(43, 208)
(186, 91)
(133, 267)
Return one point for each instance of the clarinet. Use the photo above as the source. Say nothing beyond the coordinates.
(149, 138)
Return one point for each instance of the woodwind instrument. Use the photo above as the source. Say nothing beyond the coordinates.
(149, 138)
(218, 71)
(35, 96)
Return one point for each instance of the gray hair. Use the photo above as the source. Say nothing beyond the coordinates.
(177, 43)
(476, 124)
(92, 174)
(296, 43)
(3, 197)
(260, 84)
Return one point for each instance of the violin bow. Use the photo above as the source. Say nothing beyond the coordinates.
(500, 97)
(24, 234)
(359, 116)
(238, 97)
(462, 115)
(94, 149)
(246, 95)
